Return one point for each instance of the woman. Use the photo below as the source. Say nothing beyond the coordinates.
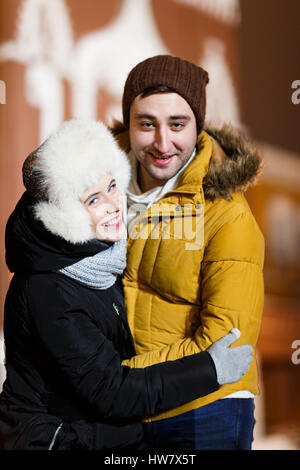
(66, 332)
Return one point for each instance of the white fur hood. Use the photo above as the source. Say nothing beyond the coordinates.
(71, 160)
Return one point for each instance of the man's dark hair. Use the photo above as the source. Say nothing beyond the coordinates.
(152, 90)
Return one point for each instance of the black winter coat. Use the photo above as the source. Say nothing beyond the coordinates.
(65, 385)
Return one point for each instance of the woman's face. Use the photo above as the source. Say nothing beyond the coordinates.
(104, 203)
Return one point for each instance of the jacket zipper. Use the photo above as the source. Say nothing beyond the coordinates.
(116, 309)
(55, 436)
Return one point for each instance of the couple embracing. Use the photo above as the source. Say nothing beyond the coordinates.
(83, 371)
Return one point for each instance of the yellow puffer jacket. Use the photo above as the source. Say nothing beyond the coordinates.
(184, 293)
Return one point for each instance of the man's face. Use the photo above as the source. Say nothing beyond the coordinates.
(163, 135)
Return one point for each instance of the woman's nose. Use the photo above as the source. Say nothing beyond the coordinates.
(113, 203)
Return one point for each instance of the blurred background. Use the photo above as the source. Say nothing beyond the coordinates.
(61, 59)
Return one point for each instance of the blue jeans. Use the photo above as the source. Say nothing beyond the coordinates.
(222, 425)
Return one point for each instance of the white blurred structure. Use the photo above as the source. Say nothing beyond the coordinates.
(222, 103)
(102, 59)
(227, 11)
(43, 43)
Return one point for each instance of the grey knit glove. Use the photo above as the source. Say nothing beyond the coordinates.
(231, 363)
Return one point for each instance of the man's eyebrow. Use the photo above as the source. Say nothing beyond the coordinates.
(173, 118)
(183, 117)
(144, 116)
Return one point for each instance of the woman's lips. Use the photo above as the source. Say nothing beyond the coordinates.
(113, 223)
(119, 224)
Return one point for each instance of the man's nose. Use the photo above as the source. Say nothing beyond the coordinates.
(162, 142)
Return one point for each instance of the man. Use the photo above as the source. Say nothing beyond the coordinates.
(196, 253)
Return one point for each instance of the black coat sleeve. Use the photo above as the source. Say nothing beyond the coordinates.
(92, 365)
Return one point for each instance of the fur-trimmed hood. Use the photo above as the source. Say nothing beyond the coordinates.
(234, 166)
(70, 161)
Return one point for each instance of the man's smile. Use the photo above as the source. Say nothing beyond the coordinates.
(161, 160)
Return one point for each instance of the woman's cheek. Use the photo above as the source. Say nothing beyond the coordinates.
(100, 231)
(96, 216)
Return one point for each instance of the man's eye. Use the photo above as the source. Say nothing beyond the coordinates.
(147, 125)
(177, 125)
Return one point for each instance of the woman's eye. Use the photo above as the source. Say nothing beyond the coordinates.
(112, 187)
(93, 201)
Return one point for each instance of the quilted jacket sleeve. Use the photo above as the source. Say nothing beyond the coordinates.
(91, 364)
(231, 291)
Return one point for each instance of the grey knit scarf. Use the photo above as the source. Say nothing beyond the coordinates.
(99, 271)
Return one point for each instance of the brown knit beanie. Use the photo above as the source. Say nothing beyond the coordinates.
(185, 78)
